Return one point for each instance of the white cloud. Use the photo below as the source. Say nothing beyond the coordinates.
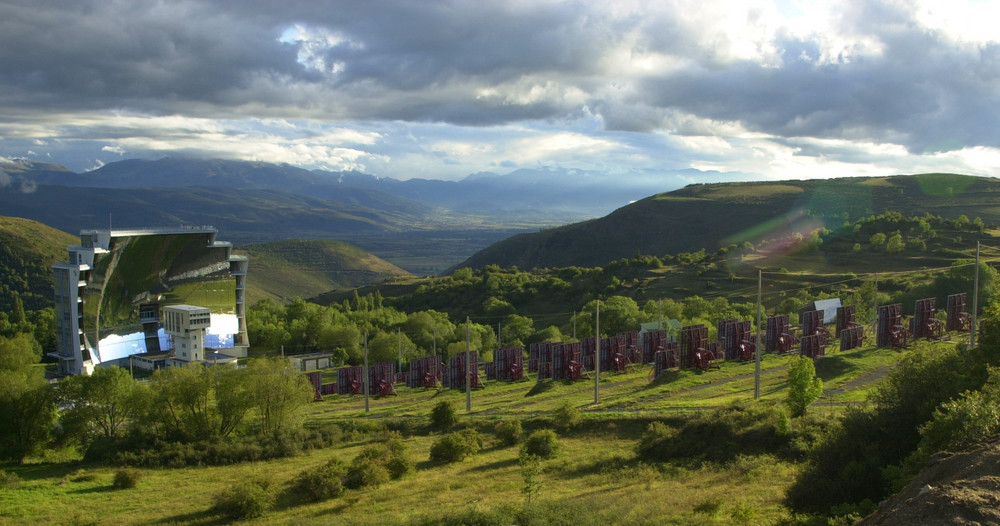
(114, 149)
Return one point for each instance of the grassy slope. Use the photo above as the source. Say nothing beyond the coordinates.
(714, 215)
(285, 270)
(27, 251)
(596, 471)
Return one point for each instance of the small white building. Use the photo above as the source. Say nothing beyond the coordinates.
(312, 361)
(185, 325)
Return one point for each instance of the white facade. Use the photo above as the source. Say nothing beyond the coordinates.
(185, 325)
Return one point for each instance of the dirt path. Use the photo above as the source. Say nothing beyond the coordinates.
(865, 379)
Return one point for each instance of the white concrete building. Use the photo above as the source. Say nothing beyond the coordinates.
(185, 326)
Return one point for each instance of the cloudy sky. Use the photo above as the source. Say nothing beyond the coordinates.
(441, 89)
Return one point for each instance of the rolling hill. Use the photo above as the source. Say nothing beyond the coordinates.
(711, 216)
(27, 251)
(280, 270)
(289, 269)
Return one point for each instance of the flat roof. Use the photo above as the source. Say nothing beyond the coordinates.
(181, 229)
(188, 308)
(154, 355)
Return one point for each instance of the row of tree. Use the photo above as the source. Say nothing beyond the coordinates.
(390, 333)
(182, 404)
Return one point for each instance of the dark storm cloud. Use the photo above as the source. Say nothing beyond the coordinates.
(922, 90)
(483, 63)
(405, 60)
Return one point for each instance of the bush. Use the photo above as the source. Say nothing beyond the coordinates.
(859, 459)
(127, 478)
(390, 454)
(565, 416)
(456, 446)
(542, 443)
(443, 415)
(656, 433)
(964, 422)
(244, 500)
(322, 482)
(398, 466)
(509, 432)
(366, 473)
(720, 435)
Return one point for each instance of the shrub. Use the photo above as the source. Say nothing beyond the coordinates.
(542, 443)
(531, 466)
(855, 460)
(656, 433)
(565, 416)
(456, 446)
(390, 454)
(964, 422)
(443, 415)
(509, 432)
(322, 482)
(720, 435)
(244, 500)
(126, 478)
(803, 386)
(366, 473)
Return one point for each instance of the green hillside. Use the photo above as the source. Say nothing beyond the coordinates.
(712, 216)
(285, 270)
(27, 251)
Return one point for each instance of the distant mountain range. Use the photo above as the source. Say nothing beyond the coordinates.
(555, 195)
(252, 202)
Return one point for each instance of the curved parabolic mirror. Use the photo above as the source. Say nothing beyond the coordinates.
(167, 269)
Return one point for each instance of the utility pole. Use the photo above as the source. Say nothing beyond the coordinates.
(975, 301)
(875, 304)
(756, 358)
(468, 367)
(597, 356)
(364, 376)
(399, 345)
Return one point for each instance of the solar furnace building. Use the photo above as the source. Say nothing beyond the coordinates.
(110, 295)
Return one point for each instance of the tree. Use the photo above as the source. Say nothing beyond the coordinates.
(803, 386)
(531, 467)
(26, 398)
(548, 334)
(516, 330)
(618, 314)
(877, 239)
(107, 399)
(385, 346)
(232, 398)
(429, 329)
(277, 391)
(667, 309)
(895, 244)
(182, 397)
(345, 339)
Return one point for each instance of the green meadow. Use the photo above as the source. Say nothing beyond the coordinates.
(597, 476)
